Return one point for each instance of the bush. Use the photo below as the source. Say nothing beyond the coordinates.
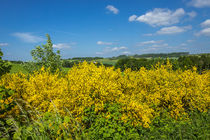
(160, 103)
(5, 67)
(142, 94)
(136, 64)
(107, 124)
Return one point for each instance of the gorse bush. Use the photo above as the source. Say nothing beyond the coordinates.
(98, 102)
(142, 94)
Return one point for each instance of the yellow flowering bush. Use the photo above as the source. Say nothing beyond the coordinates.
(142, 94)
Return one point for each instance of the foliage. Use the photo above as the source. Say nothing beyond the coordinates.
(16, 67)
(7, 103)
(107, 124)
(102, 102)
(69, 64)
(45, 56)
(184, 62)
(4, 66)
(31, 66)
(166, 127)
(142, 94)
(162, 55)
(201, 62)
(134, 64)
(86, 58)
(48, 125)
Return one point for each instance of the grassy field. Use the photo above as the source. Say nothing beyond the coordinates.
(17, 68)
(107, 61)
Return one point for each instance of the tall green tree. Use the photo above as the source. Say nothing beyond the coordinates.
(4, 66)
(44, 55)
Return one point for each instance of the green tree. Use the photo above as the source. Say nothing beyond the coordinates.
(4, 66)
(45, 56)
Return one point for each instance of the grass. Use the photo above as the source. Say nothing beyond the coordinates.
(107, 61)
(17, 68)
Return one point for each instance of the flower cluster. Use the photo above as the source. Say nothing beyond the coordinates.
(142, 94)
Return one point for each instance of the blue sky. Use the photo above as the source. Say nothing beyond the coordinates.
(104, 27)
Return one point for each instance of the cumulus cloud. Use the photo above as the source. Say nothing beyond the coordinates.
(118, 48)
(149, 34)
(132, 18)
(160, 17)
(112, 9)
(173, 30)
(3, 44)
(206, 23)
(190, 40)
(104, 43)
(205, 32)
(192, 14)
(206, 28)
(111, 50)
(183, 44)
(61, 46)
(149, 42)
(126, 52)
(156, 47)
(159, 45)
(199, 3)
(28, 37)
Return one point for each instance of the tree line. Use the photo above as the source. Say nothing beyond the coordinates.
(202, 62)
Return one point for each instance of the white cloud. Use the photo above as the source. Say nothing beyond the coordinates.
(149, 42)
(110, 50)
(132, 18)
(199, 3)
(190, 40)
(159, 45)
(206, 23)
(112, 9)
(99, 53)
(161, 17)
(126, 52)
(3, 44)
(205, 32)
(61, 46)
(104, 43)
(118, 48)
(174, 29)
(183, 44)
(28, 37)
(192, 14)
(149, 34)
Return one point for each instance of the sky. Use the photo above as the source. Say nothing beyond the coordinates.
(104, 28)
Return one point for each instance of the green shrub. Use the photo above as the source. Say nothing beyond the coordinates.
(108, 124)
(4, 66)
